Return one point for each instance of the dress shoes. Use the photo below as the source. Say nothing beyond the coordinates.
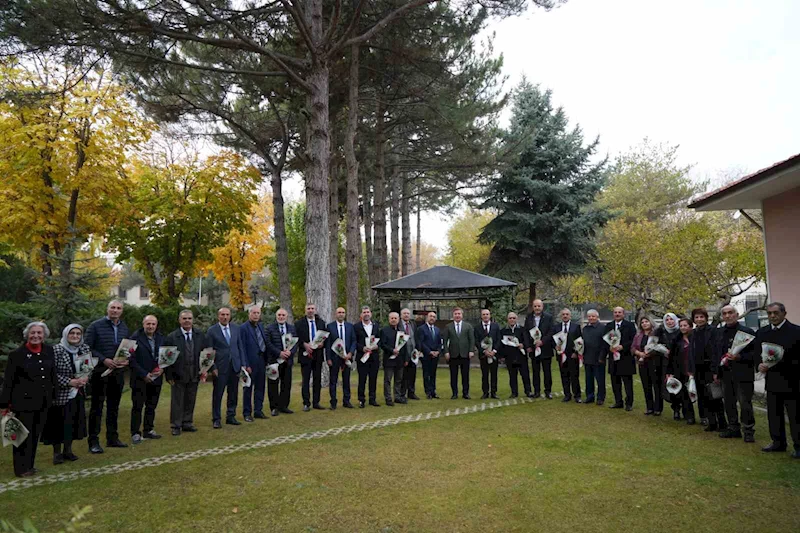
(513, 396)
(730, 434)
(274, 412)
(116, 444)
(374, 403)
(151, 435)
(529, 395)
(318, 407)
(70, 456)
(429, 396)
(454, 397)
(774, 447)
(58, 458)
(494, 396)
(467, 397)
(648, 413)
(95, 448)
(286, 411)
(589, 400)
(578, 400)
(615, 406)
(749, 438)
(390, 403)
(484, 396)
(629, 408)
(413, 396)
(189, 429)
(217, 424)
(176, 432)
(657, 413)
(29, 473)
(690, 422)
(548, 395)
(710, 428)
(260, 415)
(306, 408)
(536, 395)
(600, 402)
(232, 421)
(333, 407)
(435, 396)
(796, 454)
(347, 405)
(400, 400)
(361, 405)
(567, 399)
(249, 419)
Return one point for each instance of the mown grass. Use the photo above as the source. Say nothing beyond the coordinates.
(539, 466)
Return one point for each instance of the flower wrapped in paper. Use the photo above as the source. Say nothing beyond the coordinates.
(654, 346)
(272, 371)
(338, 348)
(14, 432)
(416, 357)
(289, 341)
(126, 349)
(740, 342)
(579, 346)
(486, 343)
(85, 368)
(691, 388)
(771, 355)
(167, 355)
(674, 385)
(370, 344)
(244, 378)
(560, 346)
(613, 340)
(207, 357)
(536, 335)
(319, 339)
(399, 341)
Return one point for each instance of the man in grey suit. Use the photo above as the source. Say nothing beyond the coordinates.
(409, 386)
(459, 348)
(224, 338)
(184, 374)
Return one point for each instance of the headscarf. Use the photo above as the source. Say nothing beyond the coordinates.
(677, 322)
(64, 338)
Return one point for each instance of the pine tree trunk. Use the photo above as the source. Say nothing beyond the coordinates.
(333, 219)
(531, 296)
(419, 238)
(395, 216)
(281, 248)
(368, 229)
(318, 282)
(353, 237)
(379, 210)
(405, 217)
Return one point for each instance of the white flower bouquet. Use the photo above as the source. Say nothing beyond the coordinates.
(124, 352)
(771, 355)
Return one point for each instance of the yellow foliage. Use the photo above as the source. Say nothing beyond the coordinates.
(464, 250)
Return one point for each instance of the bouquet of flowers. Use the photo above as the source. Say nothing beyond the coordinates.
(579, 346)
(486, 344)
(399, 342)
(654, 346)
(14, 432)
(691, 388)
(674, 385)
(126, 349)
(613, 339)
(339, 349)
(207, 356)
(416, 357)
(536, 335)
(272, 371)
(560, 346)
(740, 341)
(319, 339)
(512, 340)
(244, 378)
(771, 355)
(372, 345)
(289, 341)
(85, 368)
(167, 355)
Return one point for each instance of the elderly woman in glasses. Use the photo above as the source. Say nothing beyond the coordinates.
(66, 419)
(28, 388)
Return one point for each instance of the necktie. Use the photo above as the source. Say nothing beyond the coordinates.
(313, 330)
(406, 328)
(188, 337)
(616, 326)
(261, 345)
(431, 328)
(189, 345)
(227, 335)
(458, 328)
(283, 331)
(341, 332)
(486, 327)
(564, 328)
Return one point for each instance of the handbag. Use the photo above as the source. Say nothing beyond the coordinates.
(714, 390)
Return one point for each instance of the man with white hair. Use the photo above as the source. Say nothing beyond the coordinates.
(594, 364)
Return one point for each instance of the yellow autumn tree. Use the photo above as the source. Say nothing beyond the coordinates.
(463, 249)
(64, 133)
(245, 252)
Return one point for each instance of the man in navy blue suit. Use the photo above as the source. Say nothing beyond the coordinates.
(280, 389)
(339, 329)
(310, 359)
(429, 342)
(226, 340)
(254, 348)
(145, 380)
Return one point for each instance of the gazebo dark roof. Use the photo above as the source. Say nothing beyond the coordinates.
(444, 278)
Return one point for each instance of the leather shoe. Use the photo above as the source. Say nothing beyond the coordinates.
(536, 395)
(232, 421)
(249, 419)
(484, 396)
(306, 408)
(70, 456)
(274, 412)
(567, 399)
(390, 403)
(286, 411)
(58, 458)
(578, 400)
(676, 415)
(413, 397)
(217, 424)
(548, 395)
(347, 405)
(151, 435)
(189, 429)
(374, 403)
(749, 438)
(600, 402)
(494, 396)
(774, 447)
(95, 448)
(730, 434)
(116, 444)
(29, 473)
(529, 395)
(361, 405)
(318, 407)
(454, 397)
(259, 414)
(333, 407)
(796, 454)
(690, 422)
(467, 397)
(400, 400)
(629, 408)
(176, 432)
(615, 406)
(513, 396)
(436, 396)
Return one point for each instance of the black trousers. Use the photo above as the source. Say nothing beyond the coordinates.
(393, 382)
(709, 408)
(182, 400)
(571, 378)
(312, 368)
(456, 364)
(616, 385)
(409, 380)
(779, 403)
(429, 367)
(144, 396)
(489, 376)
(25, 453)
(280, 390)
(681, 403)
(652, 376)
(344, 370)
(521, 368)
(542, 365)
(105, 390)
(741, 393)
(368, 370)
(225, 382)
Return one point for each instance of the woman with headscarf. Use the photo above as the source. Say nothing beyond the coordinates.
(668, 333)
(651, 367)
(28, 386)
(66, 419)
(681, 366)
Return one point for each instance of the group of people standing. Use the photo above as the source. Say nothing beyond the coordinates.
(46, 386)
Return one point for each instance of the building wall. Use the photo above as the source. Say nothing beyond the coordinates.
(782, 233)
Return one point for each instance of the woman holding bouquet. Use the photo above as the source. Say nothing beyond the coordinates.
(681, 366)
(28, 387)
(668, 333)
(651, 368)
(66, 419)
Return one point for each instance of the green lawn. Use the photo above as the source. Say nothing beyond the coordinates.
(541, 465)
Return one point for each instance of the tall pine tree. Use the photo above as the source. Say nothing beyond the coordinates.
(544, 198)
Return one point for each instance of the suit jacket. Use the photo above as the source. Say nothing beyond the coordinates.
(703, 342)
(459, 346)
(545, 324)
(361, 339)
(428, 342)
(187, 367)
(785, 376)
(412, 331)
(29, 383)
(229, 357)
(275, 342)
(573, 333)
(675, 363)
(304, 334)
(626, 366)
(387, 342)
(511, 355)
(144, 359)
(349, 342)
(251, 353)
(744, 368)
(494, 334)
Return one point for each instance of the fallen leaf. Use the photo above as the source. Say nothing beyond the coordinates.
(235, 509)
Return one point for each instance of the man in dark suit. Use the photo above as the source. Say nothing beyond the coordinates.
(736, 374)
(394, 361)
(515, 358)
(489, 329)
(310, 359)
(783, 379)
(146, 379)
(226, 339)
(184, 375)
(364, 329)
(254, 351)
(429, 342)
(408, 387)
(621, 362)
(459, 348)
(541, 364)
(279, 390)
(103, 336)
(704, 339)
(568, 362)
(339, 329)
(593, 358)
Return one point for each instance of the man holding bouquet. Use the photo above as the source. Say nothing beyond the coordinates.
(783, 378)
(226, 339)
(395, 358)
(367, 356)
(488, 340)
(311, 358)
(146, 379)
(184, 374)
(515, 357)
(339, 329)
(409, 384)
(279, 390)
(254, 350)
(429, 340)
(568, 362)
(541, 364)
(621, 362)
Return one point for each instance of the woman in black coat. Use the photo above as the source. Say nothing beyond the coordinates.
(28, 389)
(681, 366)
(668, 333)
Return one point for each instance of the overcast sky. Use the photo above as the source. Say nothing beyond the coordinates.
(718, 77)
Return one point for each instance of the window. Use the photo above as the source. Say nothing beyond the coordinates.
(144, 293)
(122, 293)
